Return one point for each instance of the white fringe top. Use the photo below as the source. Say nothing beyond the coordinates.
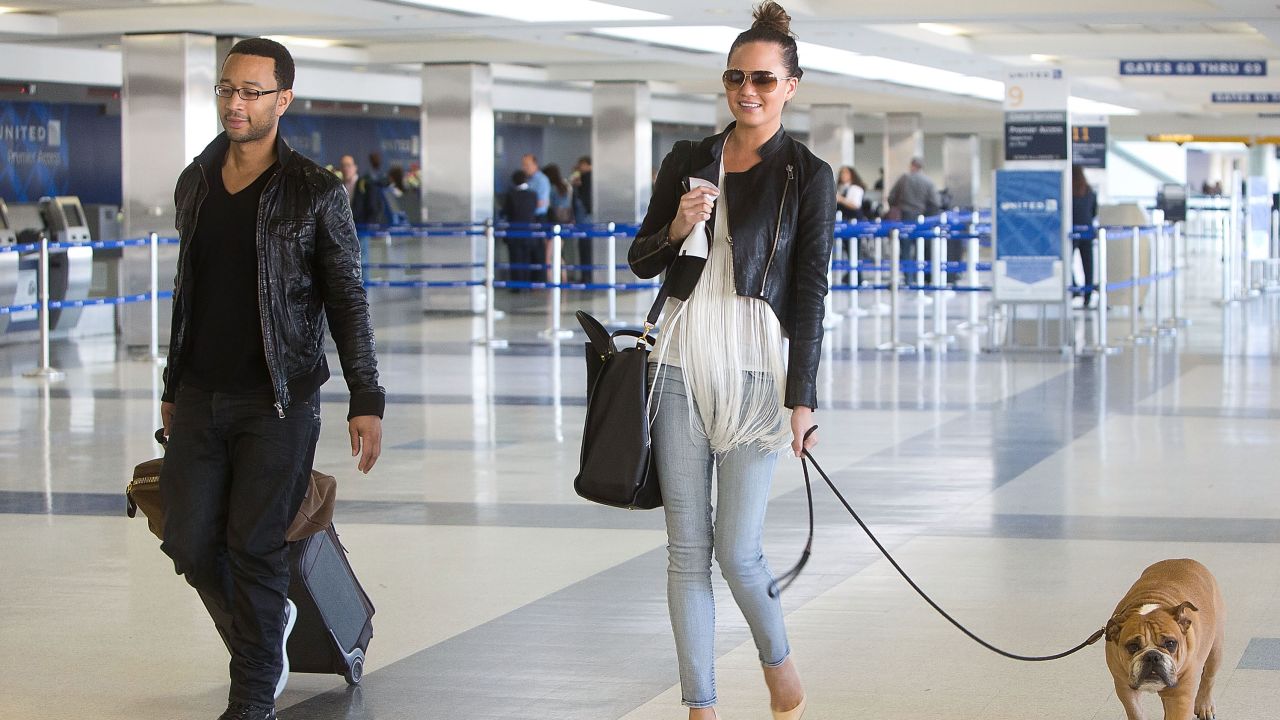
(730, 349)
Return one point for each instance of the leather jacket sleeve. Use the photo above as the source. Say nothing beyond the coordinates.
(651, 252)
(814, 228)
(345, 302)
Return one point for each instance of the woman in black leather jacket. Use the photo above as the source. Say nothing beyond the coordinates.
(760, 207)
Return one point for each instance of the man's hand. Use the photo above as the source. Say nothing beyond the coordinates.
(366, 440)
(166, 417)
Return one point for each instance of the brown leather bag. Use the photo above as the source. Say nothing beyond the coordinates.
(143, 493)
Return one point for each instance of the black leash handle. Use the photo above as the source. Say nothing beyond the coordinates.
(790, 576)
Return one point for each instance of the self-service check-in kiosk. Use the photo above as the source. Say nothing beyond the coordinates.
(62, 220)
(7, 235)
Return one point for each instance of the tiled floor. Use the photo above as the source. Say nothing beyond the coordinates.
(1025, 492)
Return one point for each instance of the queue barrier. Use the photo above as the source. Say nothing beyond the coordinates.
(937, 230)
(45, 304)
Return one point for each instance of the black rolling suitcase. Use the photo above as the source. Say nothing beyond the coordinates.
(335, 615)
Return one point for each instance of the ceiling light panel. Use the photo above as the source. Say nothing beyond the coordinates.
(534, 12)
(942, 29)
(717, 39)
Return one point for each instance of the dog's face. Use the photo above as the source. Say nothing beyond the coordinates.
(1154, 642)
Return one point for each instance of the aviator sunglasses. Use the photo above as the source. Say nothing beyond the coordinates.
(763, 80)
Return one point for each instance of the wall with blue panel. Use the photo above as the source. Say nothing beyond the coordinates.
(59, 149)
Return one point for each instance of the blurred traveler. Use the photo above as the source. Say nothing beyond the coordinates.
(540, 185)
(1084, 211)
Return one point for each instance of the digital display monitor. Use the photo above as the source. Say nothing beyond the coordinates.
(72, 213)
(1172, 198)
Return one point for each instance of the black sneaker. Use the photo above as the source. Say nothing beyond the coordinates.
(244, 711)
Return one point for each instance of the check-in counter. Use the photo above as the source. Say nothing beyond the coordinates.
(61, 219)
(1120, 252)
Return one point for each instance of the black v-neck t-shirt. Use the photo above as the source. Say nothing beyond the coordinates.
(225, 353)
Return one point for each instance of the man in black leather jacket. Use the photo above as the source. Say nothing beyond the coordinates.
(268, 252)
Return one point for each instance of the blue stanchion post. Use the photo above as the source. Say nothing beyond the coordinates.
(895, 281)
(553, 332)
(1135, 256)
(490, 338)
(611, 274)
(46, 371)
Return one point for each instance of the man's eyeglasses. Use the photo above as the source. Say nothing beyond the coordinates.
(763, 80)
(247, 94)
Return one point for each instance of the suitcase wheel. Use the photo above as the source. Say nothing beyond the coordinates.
(356, 671)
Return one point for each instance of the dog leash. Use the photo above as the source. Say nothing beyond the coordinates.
(789, 577)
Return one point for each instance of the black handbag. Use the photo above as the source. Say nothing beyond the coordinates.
(616, 466)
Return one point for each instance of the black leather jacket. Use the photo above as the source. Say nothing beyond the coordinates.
(308, 268)
(781, 237)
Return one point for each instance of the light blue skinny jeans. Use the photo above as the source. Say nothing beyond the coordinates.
(743, 476)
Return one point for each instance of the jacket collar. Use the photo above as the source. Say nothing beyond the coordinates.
(707, 164)
(216, 150)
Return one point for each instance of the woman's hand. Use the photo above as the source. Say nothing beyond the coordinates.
(801, 421)
(695, 207)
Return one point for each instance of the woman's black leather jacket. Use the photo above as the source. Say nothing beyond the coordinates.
(781, 217)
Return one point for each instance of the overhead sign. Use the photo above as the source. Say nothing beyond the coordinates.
(1089, 145)
(1246, 97)
(1035, 115)
(1028, 235)
(1194, 68)
(1035, 135)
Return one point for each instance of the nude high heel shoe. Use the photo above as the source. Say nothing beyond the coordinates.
(794, 713)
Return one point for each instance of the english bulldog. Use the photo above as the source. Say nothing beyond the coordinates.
(1166, 637)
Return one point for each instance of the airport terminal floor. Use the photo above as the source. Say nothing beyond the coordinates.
(1025, 492)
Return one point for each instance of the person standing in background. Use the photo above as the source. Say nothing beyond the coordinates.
(913, 195)
(350, 176)
(375, 184)
(583, 213)
(520, 205)
(540, 186)
(850, 191)
(560, 213)
(1084, 211)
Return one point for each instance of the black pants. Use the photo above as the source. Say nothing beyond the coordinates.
(234, 477)
(1085, 248)
(521, 252)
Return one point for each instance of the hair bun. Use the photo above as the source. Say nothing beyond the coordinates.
(771, 16)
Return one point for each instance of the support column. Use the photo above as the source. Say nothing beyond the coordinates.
(622, 150)
(961, 169)
(457, 142)
(831, 134)
(168, 114)
(903, 140)
(457, 170)
(1264, 163)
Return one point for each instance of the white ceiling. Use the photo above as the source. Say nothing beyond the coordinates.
(1087, 38)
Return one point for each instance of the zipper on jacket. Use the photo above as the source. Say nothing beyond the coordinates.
(777, 234)
(268, 346)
